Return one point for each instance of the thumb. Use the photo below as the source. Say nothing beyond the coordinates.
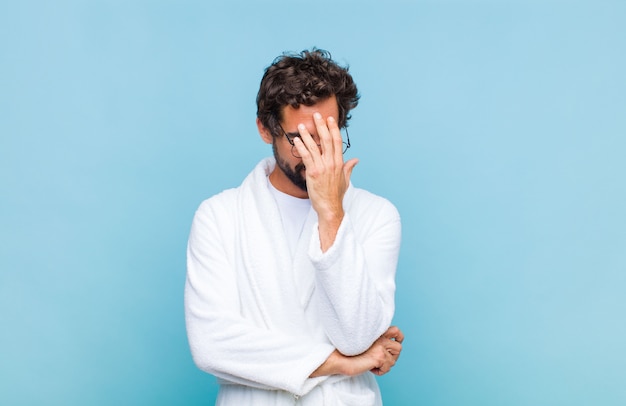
(348, 167)
(394, 333)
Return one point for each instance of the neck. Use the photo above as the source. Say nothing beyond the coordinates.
(283, 184)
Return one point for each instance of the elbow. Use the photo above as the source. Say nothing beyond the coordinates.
(356, 339)
(354, 344)
(201, 346)
(350, 349)
(200, 356)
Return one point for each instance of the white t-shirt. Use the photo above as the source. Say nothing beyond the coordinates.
(293, 213)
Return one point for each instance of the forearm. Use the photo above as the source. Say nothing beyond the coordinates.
(234, 349)
(328, 225)
(223, 341)
(333, 365)
(355, 286)
(379, 358)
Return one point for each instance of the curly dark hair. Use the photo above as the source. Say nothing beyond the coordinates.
(305, 78)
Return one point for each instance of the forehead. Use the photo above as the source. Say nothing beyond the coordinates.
(304, 114)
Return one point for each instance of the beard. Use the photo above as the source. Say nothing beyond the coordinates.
(294, 175)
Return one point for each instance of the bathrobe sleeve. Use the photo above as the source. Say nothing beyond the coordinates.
(224, 343)
(355, 277)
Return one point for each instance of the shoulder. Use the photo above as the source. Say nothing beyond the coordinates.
(225, 198)
(216, 207)
(360, 203)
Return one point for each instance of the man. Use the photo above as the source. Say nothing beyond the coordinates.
(290, 279)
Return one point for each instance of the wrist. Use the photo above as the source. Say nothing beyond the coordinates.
(335, 364)
(327, 229)
(330, 221)
(330, 213)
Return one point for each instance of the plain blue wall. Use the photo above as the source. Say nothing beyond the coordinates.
(497, 128)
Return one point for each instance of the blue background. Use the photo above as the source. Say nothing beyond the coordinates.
(496, 127)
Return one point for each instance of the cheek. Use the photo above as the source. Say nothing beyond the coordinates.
(284, 153)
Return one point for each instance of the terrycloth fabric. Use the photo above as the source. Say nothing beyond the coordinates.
(262, 321)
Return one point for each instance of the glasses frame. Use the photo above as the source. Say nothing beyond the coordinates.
(346, 143)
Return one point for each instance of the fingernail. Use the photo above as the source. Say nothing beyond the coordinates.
(317, 116)
(301, 127)
(331, 119)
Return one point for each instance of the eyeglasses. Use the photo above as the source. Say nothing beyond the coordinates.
(294, 151)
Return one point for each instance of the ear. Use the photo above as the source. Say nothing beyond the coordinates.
(266, 135)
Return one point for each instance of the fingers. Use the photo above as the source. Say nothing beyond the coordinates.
(379, 371)
(385, 351)
(324, 134)
(393, 338)
(306, 146)
(330, 141)
(388, 358)
(391, 332)
(330, 136)
(400, 337)
(394, 333)
(393, 347)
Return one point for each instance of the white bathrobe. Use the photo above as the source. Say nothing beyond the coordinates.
(262, 320)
